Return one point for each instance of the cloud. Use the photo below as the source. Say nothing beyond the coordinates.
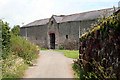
(25, 11)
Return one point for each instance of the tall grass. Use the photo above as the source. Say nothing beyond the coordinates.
(23, 48)
(20, 57)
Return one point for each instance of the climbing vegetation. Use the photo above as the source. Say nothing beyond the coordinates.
(99, 51)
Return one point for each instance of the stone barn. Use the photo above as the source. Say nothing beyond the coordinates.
(61, 31)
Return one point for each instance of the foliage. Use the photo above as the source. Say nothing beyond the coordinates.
(76, 68)
(99, 50)
(61, 47)
(70, 45)
(0, 36)
(16, 30)
(5, 39)
(13, 67)
(17, 52)
(23, 48)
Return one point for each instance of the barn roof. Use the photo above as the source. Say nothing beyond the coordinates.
(90, 15)
(38, 22)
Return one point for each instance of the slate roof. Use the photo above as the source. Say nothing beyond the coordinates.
(38, 22)
(90, 15)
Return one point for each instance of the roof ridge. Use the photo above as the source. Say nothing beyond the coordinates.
(42, 19)
(71, 17)
(89, 11)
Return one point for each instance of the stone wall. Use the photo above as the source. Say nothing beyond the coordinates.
(66, 33)
(23, 31)
(85, 25)
(71, 29)
(69, 35)
(36, 34)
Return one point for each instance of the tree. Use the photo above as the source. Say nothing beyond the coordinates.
(5, 38)
(16, 30)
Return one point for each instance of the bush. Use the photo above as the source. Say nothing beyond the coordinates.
(16, 30)
(5, 39)
(13, 67)
(61, 47)
(76, 68)
(99, 50)
(71, 45)
(16, 53)
(23, 48)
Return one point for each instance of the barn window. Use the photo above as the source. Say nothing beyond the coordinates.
(66, 36)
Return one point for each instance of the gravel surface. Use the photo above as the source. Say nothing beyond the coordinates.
(51, 64)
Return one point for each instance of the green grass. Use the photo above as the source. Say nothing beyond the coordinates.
(70, 53)
(43, 48)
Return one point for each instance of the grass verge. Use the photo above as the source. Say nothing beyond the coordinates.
(43, 48)
(70, 53)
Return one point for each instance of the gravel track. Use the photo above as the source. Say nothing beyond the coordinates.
(51, 64)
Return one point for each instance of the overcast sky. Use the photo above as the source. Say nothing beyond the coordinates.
(17, 12)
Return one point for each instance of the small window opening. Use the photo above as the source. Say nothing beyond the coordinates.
(66, 36)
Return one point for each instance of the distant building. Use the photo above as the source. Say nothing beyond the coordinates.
(62, 31)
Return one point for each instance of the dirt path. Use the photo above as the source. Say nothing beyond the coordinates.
(51, 64)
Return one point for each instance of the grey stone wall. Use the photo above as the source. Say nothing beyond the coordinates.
(84, 25)
(22, 31)
(66, 34)
(36, 34)
(70, 30)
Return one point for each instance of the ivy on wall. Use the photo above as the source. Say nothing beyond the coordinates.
(100, 50)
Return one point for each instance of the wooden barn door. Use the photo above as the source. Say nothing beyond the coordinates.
(52, 41)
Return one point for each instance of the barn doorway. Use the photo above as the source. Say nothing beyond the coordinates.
(52, 41)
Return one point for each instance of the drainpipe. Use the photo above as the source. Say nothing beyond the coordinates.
(79, 31)
(26, 33)
(79, 37)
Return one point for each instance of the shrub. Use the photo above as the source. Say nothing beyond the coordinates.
(5, 39)
(71, 45)
(16, 30)
(76, 68)
(23, 48)
(61, 47)
(99, 50)
(13, 67)
(16, 52)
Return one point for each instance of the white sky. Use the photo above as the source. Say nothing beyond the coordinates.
(16, 12)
